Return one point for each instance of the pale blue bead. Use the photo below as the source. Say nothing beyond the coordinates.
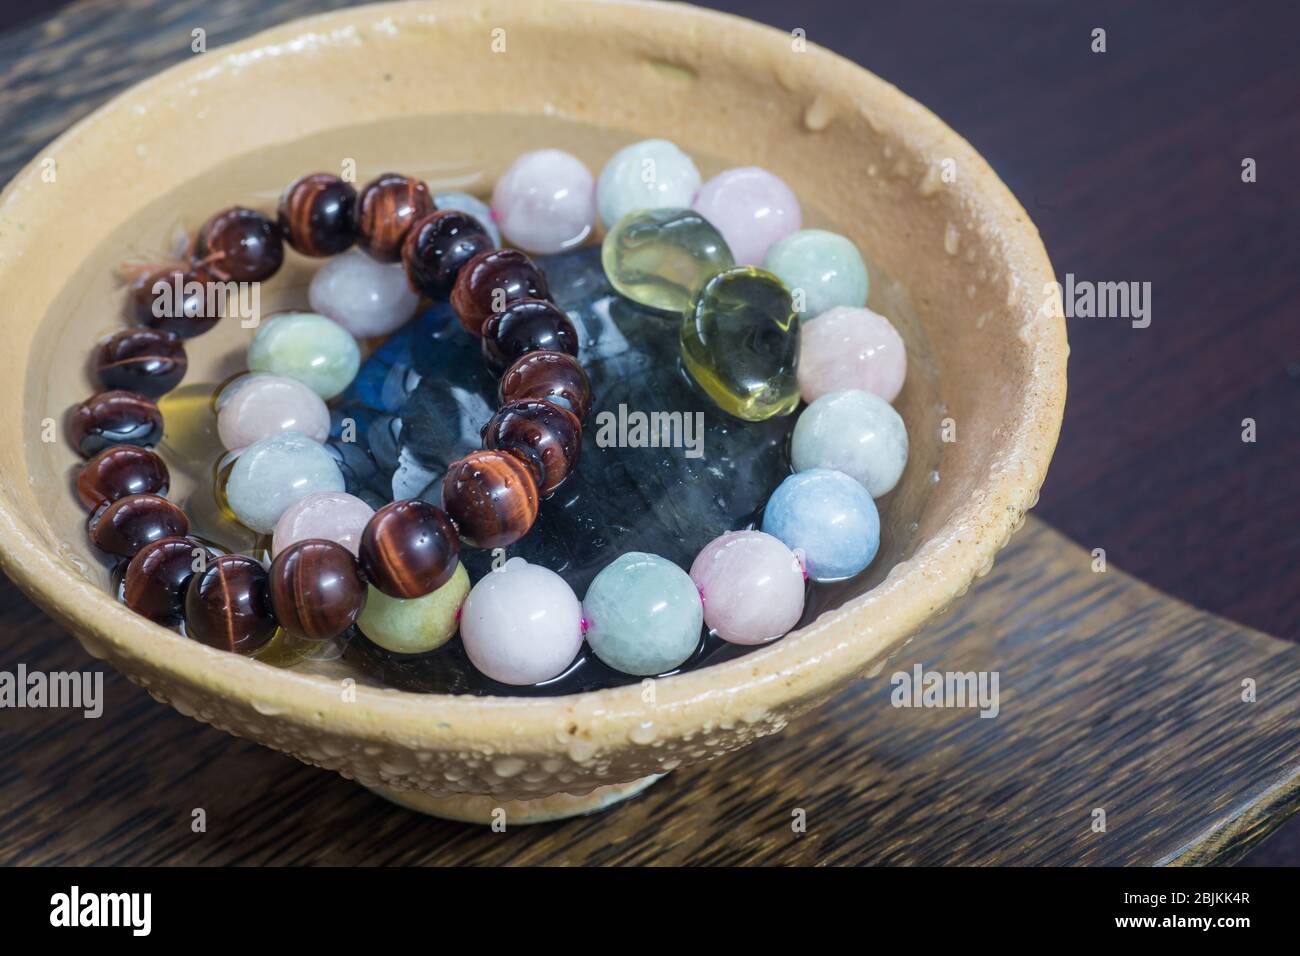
(825, 267)
(275, 472)
(307, 346)
(855, 432)
(643, 614)
(828, 516)
(651, 174)
(464, 202)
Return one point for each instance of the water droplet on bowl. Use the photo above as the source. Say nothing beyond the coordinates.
(643, 733)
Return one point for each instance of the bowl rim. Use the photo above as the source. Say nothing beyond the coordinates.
(802, 667)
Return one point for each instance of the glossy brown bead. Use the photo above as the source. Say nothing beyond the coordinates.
(174, 300)
(128, 524)
(491, 496)
(528, 325)
(438, 246)
(409, 548)
(114, 418)
(120, 471)
(148, 361)
(239, 245)
(316, 589)
(547, 437)
(228, 605)
(316, 214)
(491, 281)
(156, 578)
(551, 376)
(386, 209)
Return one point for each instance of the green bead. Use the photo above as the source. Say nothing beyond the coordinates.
(660, 258)
(414, 625)
(822, 270)
(740, 342)
(643, 614)
(315, 350)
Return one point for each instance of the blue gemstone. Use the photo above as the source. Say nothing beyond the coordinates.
(625, 495)
(830, 517)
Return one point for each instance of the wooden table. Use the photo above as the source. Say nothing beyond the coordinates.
(1113, 695)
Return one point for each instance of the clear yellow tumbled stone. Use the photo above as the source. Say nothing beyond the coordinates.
(661, 258)
(286, 650)
(740, 343)
(190, 443)
(221, 470)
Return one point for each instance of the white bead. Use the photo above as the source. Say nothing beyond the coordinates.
(366, 297)
(521, 624)
(545, 202)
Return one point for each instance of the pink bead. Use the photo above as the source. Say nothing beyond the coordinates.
(850, 348)
(545, 202)
(260, 406)
(332, 515)
(752, 586)
(521, 624)
(751, 208)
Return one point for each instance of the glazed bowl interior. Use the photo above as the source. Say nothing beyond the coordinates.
(452, 93)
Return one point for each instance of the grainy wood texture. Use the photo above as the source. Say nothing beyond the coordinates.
(1112, 696)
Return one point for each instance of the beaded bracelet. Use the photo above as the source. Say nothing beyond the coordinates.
(395, 572)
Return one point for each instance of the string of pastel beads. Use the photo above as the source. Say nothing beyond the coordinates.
(743, 345)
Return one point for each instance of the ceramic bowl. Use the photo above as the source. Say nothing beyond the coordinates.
(453, 91)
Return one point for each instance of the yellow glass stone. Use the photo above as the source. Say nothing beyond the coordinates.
(191, 448)
(210, 515)
(220, 478)
(190, 443)
(661, 258)
(285, 650)
(740, 343)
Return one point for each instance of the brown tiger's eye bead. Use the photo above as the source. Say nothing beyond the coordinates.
(228, 605)
(492, 497)
(386, 209)
(438, 246)
(316, 589)
(114, 418)
(409, 548)
(546, 436)
(239, 245)
(527, 326)
(491, 281)
(148, 361)
(157, 577)
(316, 214)
(551, 376)
(126, 525)
(174, 300)
(120, 471)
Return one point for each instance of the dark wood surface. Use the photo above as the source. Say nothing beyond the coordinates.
(1129, 162)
